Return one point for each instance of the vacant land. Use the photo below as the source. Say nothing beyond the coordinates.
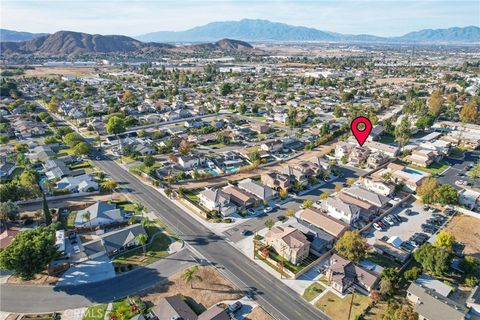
(258, 314)
(60, 71)
(466, 230)
(394, 80)
(337, 308)
(206, 290)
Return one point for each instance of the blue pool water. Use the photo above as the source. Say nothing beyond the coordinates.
(231, 169)
(213, 171)
(411, 171)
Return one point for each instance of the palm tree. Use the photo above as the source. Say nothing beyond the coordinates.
(141, 239)
(168, 192)
(138, 208)
(109, 185)
(86, 216)
(189, 274)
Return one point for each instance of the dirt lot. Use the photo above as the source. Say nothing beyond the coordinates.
(466, 230)
(394, 80)
(212, 289)
(258, 314)
(42, 278)
(61, 71)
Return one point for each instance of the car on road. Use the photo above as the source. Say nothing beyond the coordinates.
(76, 249)
(234, 307)
(251, 211)
(281, 218)
(432, 210)
(246, 232)
(267, 209)
(377, 226)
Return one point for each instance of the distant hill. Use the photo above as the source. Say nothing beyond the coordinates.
(264, 30)
(73, 43)
(15, 36)
(64, 43)
(246, 30)
(466, 34)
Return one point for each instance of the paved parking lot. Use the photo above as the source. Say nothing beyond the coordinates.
(405, 229)
(459, 167)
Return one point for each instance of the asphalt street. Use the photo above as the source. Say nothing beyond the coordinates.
(274, 296)
(36, 298)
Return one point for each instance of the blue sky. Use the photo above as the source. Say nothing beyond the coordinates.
(134, 17)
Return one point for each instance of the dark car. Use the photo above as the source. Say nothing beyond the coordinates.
(234, 307)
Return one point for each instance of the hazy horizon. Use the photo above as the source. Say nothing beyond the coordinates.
(132, 18)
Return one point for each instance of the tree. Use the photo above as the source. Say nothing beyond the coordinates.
(444, 239)
(338, 112)
(225, 88)
(471, 281)
(53, 106)
(190, 274)
(350, 181)
(435, 103)
(109, 185)
(269, 223)
(141, 239)
(46, 211)
(307, 204)
(324, 196)
(72, 139)
(184, 147)
(470, 265)
(9, 210)
(412, 274)
(290, 213)
(86, 216)
(446, 194)
(83, 148)
(426, 191)
(396, 311)
(392, 275)
(475, 171)
(115, 125)
(138, 208)
(351, 246)
(242, 108)
(403, 132)
(283, 193)
(469, 113)
(168, 192)
(433, 259)
(149, 160)
(386, 287)
(30, 252)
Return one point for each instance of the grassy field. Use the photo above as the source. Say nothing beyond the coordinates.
(312, 291)
(96, 312)
(124, 204)
(337, 308)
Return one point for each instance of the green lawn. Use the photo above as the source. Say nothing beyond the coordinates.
(290, 266)
(124, 204)
(382, 260)
(312, 291)
(67, 151)
(434, 168)
(155, 250)
(96, 312)
(387, 138)
(71, 219)
(337, 308)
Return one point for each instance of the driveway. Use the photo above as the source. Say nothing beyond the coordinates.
(98, 269)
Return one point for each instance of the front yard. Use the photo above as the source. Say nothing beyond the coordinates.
(312, 291)
(337, 308)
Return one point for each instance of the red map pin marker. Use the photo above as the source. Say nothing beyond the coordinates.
(361, 134)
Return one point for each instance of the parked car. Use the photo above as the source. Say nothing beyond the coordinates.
(389, 220)
(381, 224)
(76, 249)
(234, 307)
(408, 212)
(251, 211)
(267, 209)
(246, 232)
(377, 226)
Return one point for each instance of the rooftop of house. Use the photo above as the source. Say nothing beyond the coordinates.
(339, 205)
(100, 209)
(369, 196)
(318, 219)
(345, 272)
(292, 237)
(174, 306)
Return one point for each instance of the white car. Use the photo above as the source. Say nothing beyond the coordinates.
(76, 249)
(377, 226)
(267, 209)
(389, 221)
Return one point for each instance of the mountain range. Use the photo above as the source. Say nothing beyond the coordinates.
(63, 43)
(15, 36)
(264, 30)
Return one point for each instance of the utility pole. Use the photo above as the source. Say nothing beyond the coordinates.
(352, 290)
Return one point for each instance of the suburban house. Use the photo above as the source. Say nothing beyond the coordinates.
(373, 198)
(431, 305)
(473, 301)
(217, 200)
(272, 146)
(296, 174)
(82, 183)
(190, 161)
(344, 274)
(6, 169)
(336, 208)
(321, 163)
(358, 155)
(100, 213)
(175, 308)
(56, 169)
(469, 198)
(261, 191)
(240, 197)
(312, 217)
(114, 242)
(422, 157)
(288, 242)
(376, 159)
(389, 150)
(399, 173)
(40, 153)
(277, 181)
(342, 149)
(379, 186)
